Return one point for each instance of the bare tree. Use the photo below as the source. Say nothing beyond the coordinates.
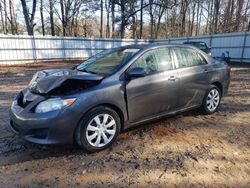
(29, 19)
(108, 10)
(51, 16)
(141, 19)
(238, 14)
(216, 15)
(113, 17)
(2, 18)
(42, 19)
(101, 26)
(12, 21)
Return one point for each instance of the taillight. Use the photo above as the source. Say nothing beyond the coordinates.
(229, 69)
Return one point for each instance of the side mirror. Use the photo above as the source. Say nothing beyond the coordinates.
(136, 72)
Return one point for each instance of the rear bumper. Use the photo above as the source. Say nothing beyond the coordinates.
(55, 127)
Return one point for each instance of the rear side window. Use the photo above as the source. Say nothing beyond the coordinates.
(188, 57)
(156, 60)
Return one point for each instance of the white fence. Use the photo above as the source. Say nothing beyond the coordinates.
(18, 49)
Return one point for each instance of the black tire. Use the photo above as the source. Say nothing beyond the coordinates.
(81, 135)
(205, 107)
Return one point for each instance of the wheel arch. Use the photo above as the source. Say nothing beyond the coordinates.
(109, 105)
(219, 85)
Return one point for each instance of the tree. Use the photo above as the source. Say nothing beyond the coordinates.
(141, 19)
(12, 18)
(51, 15)
(101, 26)
(216, 15)
(42, 19)
(113, 17)
(29, 19)
(2, 18)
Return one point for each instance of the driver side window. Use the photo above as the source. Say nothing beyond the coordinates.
(146, 61)
(156, 60)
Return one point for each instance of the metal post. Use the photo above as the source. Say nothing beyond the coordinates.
(210, 41)
(33, 43)
(64, 50)
(243, 47)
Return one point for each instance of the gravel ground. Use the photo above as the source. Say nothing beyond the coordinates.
(186, 150)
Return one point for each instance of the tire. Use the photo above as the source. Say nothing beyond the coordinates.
(98, 129)
(211, 100)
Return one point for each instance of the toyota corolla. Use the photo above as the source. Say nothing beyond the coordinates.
(91, 103)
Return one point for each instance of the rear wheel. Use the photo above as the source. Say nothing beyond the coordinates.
(211, 100)
(98, 129)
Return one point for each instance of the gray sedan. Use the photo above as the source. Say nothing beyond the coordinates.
(116, 89)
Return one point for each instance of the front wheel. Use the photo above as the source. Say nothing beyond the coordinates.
(98, 129)
(211, 100)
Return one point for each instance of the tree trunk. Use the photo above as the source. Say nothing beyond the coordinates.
(51, 16)
(101, 26)
(2, 19)
(107, 23)
(208, 16)
(42, 19)
(192, 22)
(12, 23)
(141, 19)
(63, 17)
(29, 20)
(133, 27)
(197, 18)
(122, 29)
(238, 15)
(5, 17)
(151, 20)
(216, 15)
(113, 17)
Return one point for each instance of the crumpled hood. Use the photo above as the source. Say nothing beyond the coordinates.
(45, 81)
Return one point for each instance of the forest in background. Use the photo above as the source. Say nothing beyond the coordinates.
(146, 19)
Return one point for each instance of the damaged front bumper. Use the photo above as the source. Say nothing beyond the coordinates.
(54, 127)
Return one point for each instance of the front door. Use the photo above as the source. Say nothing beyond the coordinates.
(156, 93)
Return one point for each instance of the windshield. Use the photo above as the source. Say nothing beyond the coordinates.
(107, 62)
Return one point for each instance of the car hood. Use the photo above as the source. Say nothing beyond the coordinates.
(67, 79)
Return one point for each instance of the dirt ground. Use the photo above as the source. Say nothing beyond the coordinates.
(186, 150)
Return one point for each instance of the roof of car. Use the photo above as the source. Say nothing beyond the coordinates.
(152, 45)
(192, 42)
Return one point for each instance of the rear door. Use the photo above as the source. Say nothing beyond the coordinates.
(193, 72)
(156, 93)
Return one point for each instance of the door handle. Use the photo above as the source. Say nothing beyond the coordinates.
(172, 78)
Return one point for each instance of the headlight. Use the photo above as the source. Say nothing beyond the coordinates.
(53, 104)
(210, 53)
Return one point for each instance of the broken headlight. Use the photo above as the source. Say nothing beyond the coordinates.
(53, 104)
